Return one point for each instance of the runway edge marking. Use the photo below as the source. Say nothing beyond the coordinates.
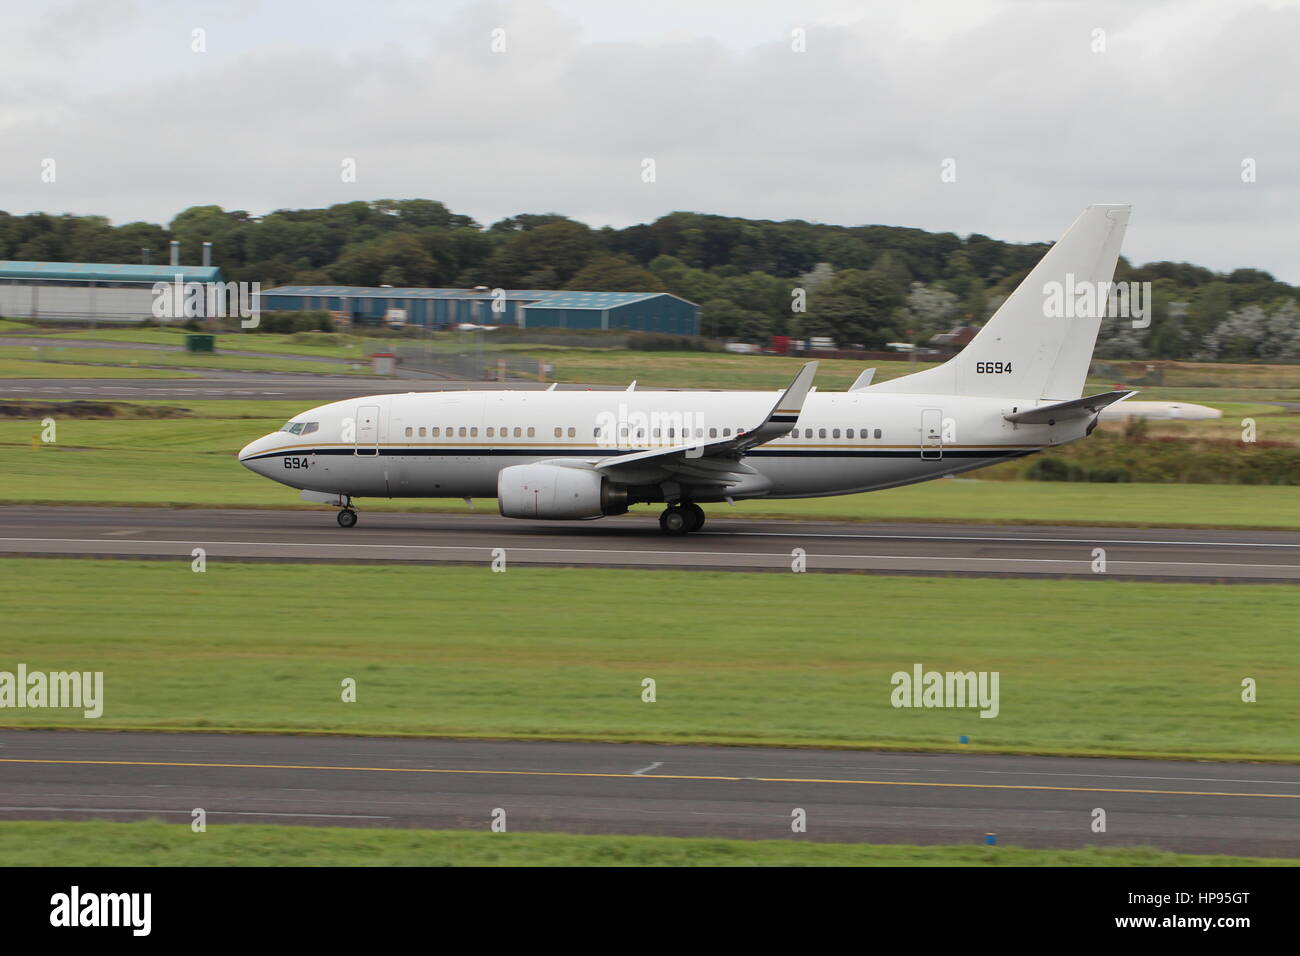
(646, 776)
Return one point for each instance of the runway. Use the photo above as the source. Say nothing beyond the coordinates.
(751, 793)
(726, 543)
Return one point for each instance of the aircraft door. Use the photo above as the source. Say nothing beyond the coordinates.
(932, 434)
(367, 430)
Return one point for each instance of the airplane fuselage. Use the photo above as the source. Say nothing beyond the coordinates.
(455, 444)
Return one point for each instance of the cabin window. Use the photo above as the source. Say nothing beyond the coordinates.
(434, 431)
(490, 431)
(596, 432)
(699, 433)
(794, 433)
(877, 432)
(532, 432)
(726, 433)
(656, 432)
(848, 433)
(421, 431)
(835, 433)
(473, 432)
(573, 432)
(713, 433)
(821, 433)
(462, 431)
(409, 431)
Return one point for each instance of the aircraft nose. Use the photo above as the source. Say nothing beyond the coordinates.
(247, 453)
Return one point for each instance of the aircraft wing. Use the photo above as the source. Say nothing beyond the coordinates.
(1061, 411)
(711, 460)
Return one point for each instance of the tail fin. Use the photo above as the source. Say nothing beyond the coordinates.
(1047, 356)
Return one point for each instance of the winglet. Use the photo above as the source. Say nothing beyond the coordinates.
(791, 403)
(863, 380)
(779, 421)
(785, 413)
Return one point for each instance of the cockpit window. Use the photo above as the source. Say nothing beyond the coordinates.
(300, 428)
(309, 427)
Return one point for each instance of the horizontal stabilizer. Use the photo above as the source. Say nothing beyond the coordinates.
(1061, 411)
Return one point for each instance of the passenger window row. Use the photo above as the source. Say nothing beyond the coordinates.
(833, 433)
(623, 432)
(640, 435)
(471, 431)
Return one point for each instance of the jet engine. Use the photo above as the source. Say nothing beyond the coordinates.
(558, 492)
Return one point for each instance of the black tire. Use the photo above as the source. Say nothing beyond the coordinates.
(696, 515)
(347, 518)
(674, 521)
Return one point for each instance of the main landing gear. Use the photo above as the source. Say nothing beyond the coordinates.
(682, 519)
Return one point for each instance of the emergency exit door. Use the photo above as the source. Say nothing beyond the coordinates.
(932, 434)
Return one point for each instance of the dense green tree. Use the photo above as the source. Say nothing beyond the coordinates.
(615, 274)
(877, 282)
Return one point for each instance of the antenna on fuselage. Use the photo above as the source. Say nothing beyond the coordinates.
(632, 387)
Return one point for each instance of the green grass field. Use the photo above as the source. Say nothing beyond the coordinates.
(31, 368)
(309, 344)
(175, 473)
(162, 844)
(1087, 667)
(144, 358)
(190, 462)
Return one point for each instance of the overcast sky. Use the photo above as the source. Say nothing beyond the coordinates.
(1040, 112)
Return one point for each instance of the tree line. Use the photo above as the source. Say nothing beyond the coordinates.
(861, 285)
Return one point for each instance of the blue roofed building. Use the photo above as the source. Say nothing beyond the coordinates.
(524, 308)
(89, 291)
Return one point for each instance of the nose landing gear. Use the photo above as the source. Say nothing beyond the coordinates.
(681, 519)
(348, 516)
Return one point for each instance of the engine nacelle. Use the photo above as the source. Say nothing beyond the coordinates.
(558, 493)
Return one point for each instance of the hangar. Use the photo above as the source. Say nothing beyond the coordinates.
(88, 291)
(529, 308)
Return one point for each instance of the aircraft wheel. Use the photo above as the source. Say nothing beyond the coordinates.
(347, 518)
(696, 515)
(674, 521)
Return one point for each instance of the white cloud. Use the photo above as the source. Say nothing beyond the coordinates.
(852, 131)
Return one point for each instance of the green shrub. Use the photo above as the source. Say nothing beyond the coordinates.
(665, 342)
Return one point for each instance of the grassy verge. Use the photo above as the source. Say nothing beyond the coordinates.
(192, 464)
(314, 344)
(1087, 667)
(31, 368)
(190, 461)
(157, 358)
(162, 844)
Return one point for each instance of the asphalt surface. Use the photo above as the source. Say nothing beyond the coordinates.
(724, 544)
(738, 792)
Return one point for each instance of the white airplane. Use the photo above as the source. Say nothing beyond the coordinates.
(1014, 390)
